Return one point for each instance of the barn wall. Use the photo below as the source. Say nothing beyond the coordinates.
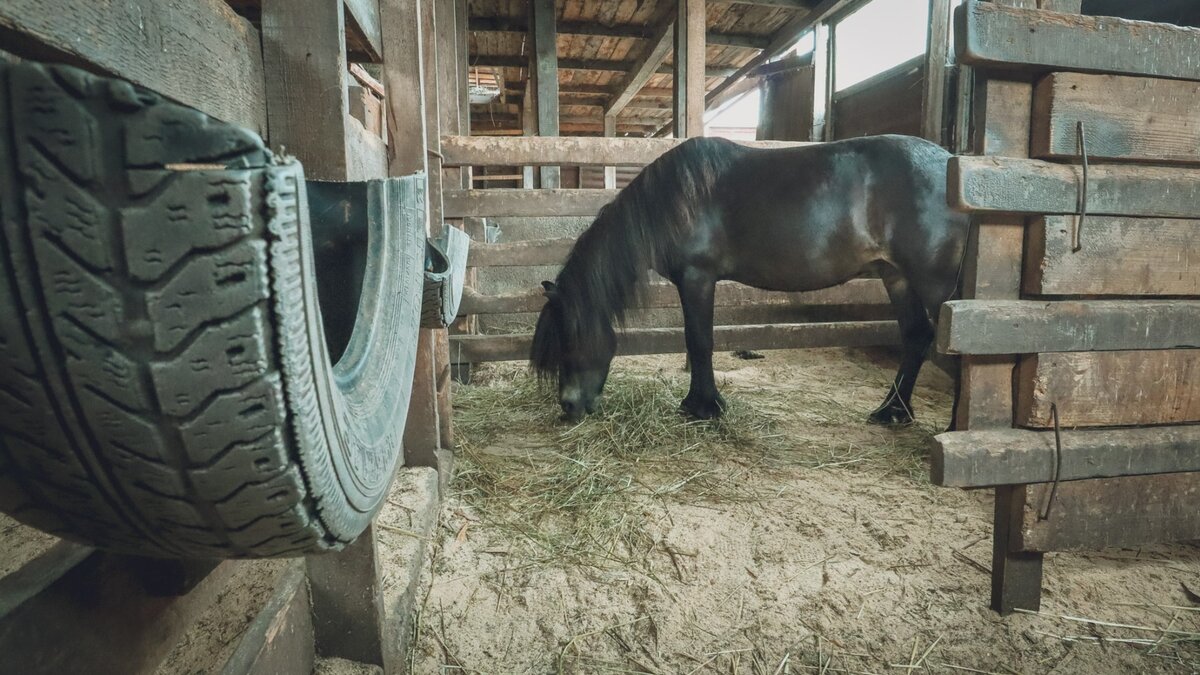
(889, 103)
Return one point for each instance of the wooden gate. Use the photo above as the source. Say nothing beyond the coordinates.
(1080, 384)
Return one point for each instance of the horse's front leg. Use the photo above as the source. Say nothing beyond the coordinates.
(696, 290)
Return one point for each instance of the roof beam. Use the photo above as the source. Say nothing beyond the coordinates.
(506, 25)
(639, 74)
(507, 61)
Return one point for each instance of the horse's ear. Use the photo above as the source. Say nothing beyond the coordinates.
(549, 290)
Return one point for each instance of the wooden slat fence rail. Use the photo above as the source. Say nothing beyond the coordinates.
(1108, 326)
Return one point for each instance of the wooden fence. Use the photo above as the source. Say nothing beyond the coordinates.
(865, 298)
(1081, 281)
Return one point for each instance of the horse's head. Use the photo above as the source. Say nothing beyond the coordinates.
(574, 346)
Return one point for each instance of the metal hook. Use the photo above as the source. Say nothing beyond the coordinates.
(1045, 513)
(1076, 244)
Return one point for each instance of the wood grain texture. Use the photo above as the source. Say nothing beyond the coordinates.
(402, 72)
(1125, 512)
(574, 150)
(1118, 256)
(1017, 456)
(1005, 185)
(689, 68)
(304, 49)
(362, 22)
(937, 57)
(1093, 389)
(889, 103)
(280, 639)
(501, 203)
(478, 348)
(991, 34)
(199, 53)
(1033, 326)
(1125, 118)
(657, 49)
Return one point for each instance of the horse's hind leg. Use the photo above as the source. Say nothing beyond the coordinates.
(696, 290)
(916, 335)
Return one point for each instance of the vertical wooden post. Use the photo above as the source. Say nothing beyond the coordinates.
(1002, 109)
(545, 79)
(690, 23)
(304, 49)
(823, 81)
(610, 172)
(529, 127)
(937, 52)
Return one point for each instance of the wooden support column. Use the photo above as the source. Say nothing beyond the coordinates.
(689, 68)
(304, 49)
(528, 128)
(937, 53)
(545, 79)
(822, 129)
(610, 172)
(1002, 127)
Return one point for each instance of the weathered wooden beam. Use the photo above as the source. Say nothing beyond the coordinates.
(1005, 185)
(1125, 118)
(785, 38)
(401, 20)
(993, 457)
(991, 34)
(480, 348)
(661, 295)
(1117, 256)
(200, 53)
(544, 75)
(304, 49)
(937, 58)
(632, 31)
(689, 68)
(532, 203)
(280, 638)
(473, 151)
(1100, 389)
(616, 66)
(520, 253)
(362, 20)
(1034, 326)
(1111, 512)
(641, 70)
(106, 600)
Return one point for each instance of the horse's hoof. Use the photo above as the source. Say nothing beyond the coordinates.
(891, 417)
(703, 409)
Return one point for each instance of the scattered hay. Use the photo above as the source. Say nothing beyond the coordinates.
(596, 492)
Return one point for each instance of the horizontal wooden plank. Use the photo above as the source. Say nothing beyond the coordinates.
(520, 253)
(1015, 456)
(527, 203)
(1035, 326)
(992, 34)
(1104, 389)
(199, 53)
(280, 639)
(1125, 118)
(1106, 512)
(552, 151)
(478, 348)
(1007, 185)
(1118, 256)
(663, 294)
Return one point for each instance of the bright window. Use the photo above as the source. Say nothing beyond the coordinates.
(880, 35)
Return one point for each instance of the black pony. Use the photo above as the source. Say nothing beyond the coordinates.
(787, 219)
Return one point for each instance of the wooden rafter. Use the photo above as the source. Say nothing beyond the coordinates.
(639, 74)
(631, 31)
(618, 66)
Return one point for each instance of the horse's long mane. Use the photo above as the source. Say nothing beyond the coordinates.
(643, 228)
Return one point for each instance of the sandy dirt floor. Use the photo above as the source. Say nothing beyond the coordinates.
(792, 539)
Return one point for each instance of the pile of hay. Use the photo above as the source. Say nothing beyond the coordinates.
(594, 493)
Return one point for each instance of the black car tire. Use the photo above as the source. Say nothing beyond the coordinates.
(165, 386)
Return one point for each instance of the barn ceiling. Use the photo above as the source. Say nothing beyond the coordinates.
(599, 43)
